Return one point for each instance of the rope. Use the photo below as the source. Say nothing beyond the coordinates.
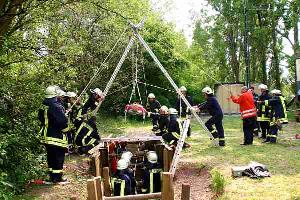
(147, 84)
(98, 69)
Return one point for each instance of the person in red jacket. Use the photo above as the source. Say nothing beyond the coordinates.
(248, 113)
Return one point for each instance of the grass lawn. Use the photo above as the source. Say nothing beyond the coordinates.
(282, 159)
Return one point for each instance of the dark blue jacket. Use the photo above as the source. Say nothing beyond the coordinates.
(90, 104)
(212, 106)
(153, 106)
(121, 175)
(174, 125)
(83, 133)
(57, 121)
(180, 102)
(263, 97)
(277, 109)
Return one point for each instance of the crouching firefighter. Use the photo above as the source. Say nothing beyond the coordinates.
(121, 183)
(87, 136)
(213, 107)
(151, 179)
(174, 129)
(163, 121)
(278, 114)
(54, 126)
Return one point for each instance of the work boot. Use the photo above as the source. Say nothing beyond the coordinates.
(222, 143)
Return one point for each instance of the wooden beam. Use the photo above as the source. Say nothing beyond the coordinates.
(185, 192)
(136, 197)
(167, 159)
(167, 186)
(99, 190)
(104, 157)
(91, 189)
(106, 177)
(97, 166)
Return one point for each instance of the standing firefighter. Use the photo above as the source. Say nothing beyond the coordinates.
(182, 107)
(91, 104)
(213, 108)
(153, 107)
(263, 111)
(248, 113)
(151, 178)
(278, 114)
(54, 126)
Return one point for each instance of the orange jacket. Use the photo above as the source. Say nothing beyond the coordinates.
(246, 102)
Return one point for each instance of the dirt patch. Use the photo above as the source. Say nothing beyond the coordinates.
(197, 178)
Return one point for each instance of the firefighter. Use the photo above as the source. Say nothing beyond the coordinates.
(61, 97)
(91, 104)
(127, 155)
(278, 114)
(174, 128)
(263, 111)
(54, 126)
(87, 136)
(248, 113)
(153, 107)
(70, 98)
(151, 178)
(184, 112)
(255, 98)
(163, 120)
(212, 106)
(121, 182)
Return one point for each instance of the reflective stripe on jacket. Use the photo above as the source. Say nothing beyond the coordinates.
(246, 102)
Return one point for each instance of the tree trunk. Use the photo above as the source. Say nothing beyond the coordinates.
(233, 54)
(275, 59)
(8, 16)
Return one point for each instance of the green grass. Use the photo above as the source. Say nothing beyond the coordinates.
(282, 159)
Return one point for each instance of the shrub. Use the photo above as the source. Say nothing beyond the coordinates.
(218, 181)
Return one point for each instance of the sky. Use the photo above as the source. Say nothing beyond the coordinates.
(184, 12)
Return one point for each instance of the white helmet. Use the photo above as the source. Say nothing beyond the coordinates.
(173, 111)
(97, 91)
(163, 109)
(263, 87)
(122, 164)
(275, 91)
(182, 89)
(127, 155)
(59, 92)
(207, 90)
(50, 92)
(152, 157)
(71, 94)
(151, 96)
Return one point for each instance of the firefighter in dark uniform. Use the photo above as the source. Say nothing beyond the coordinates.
(213, 107)
(87, 136)
(263, 111)
(91, 104)
(151, 179)
(153, 107)
(121, 183)
(278, 114)
(54, 126)
(163, 121)
(184, 112)
(174, 128)
(255, 98)
(127, 155)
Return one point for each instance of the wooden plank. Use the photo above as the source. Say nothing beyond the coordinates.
(98, 185)
(167, 186)
(185, 192)
(165, 160)
(91, 189)
(136, 197)
(104, 157)
(135, 139)
(97, 166)
(106, 181)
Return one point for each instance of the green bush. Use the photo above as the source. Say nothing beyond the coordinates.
(218, 181)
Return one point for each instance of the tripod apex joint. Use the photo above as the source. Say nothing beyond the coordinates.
(138, 26)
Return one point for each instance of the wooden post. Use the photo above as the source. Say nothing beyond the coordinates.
(106, 177)
(168, 156)
(91, 189)
(97, 166)
(104, 157)
(167, 186)
(185, 192)
(98, 185)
